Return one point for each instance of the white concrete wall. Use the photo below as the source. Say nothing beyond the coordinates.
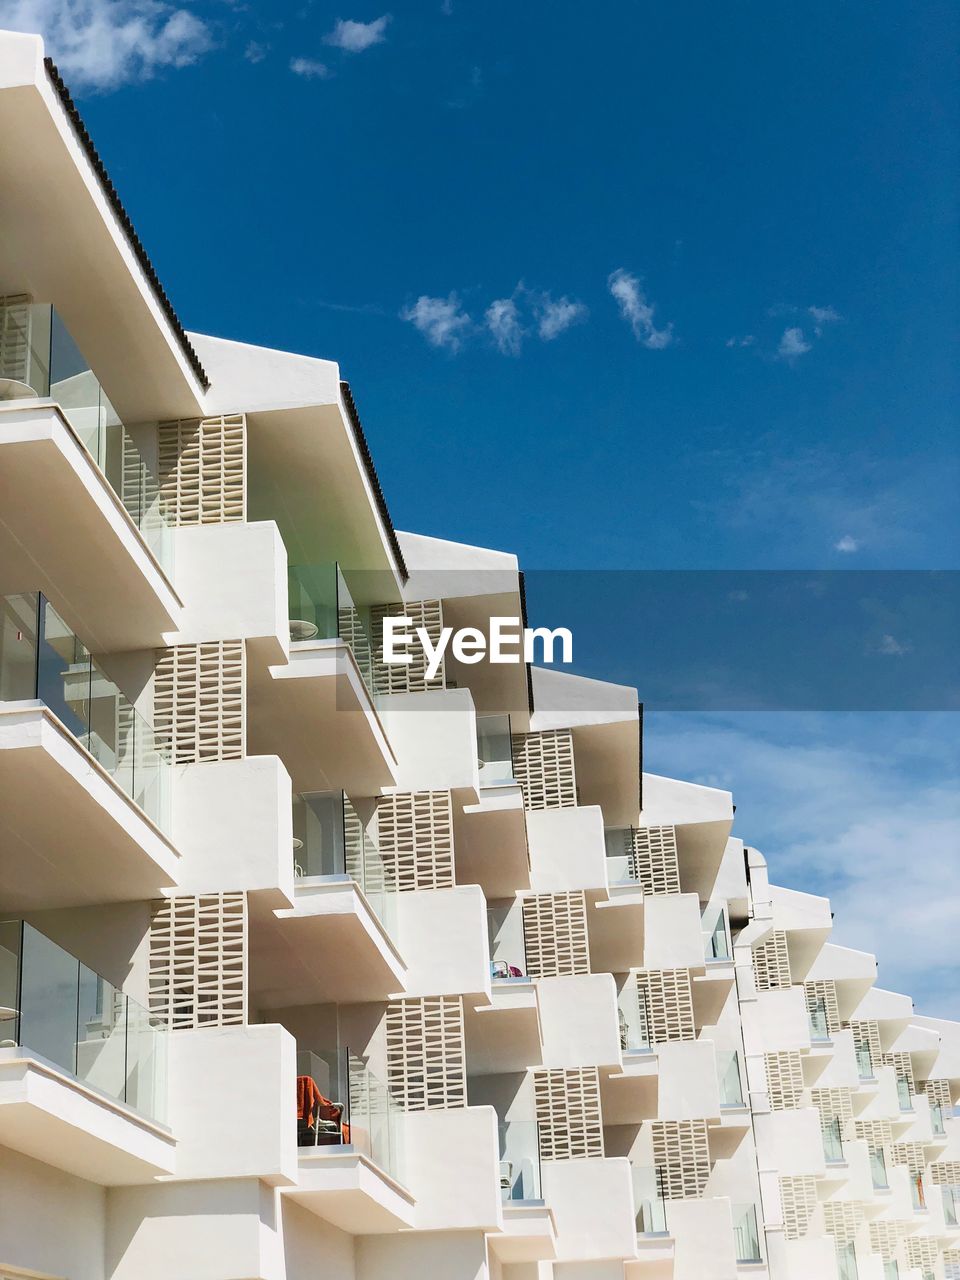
(672, 932)
(703, 1230)
(50, 1223)
(567, 849)
(233, 823)
(441, 1255)
(578, 1017)
(592, 1201)
(460, 1194)
(434, 739)
(442, 936)
(689, 1086)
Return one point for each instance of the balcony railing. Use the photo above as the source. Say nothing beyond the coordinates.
(951, 1205)
(878, 1170)
(904, 1096)
(520, 1161)
(56, 1007)
(330, 841)
(342, 1103)
(833, 1141)
(716, 935)
(40, 356)
(819, 1026)
(495, 751)
(649, 1201)
(322, 608)
(865, 1063)
(847, 1262)
(746, 1236)
(731, 1085)
(41, 658)
(633, 1012)
(937, 1120)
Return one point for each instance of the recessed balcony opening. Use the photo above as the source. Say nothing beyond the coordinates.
(321, 607)
(878, 1170)
(746, 1235)
(649, 1200)
(847, 1262)
(42, 659)
(343, 1106)
(332, 842)
(520, 1175)
(633, 1016)
(833, 1141)
(865, 1063)
(951, 1205)
(495, 751)
(57, 1009)
(40, 360)
(508, 955)
(904, 1096)
(819, 1026)
(716, 935)
(731, 1083)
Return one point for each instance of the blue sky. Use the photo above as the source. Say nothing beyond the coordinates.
(618, 286)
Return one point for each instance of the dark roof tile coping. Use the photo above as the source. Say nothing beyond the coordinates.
(372, 476)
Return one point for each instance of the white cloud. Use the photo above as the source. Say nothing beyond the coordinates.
(442, 321)
(792, 344)
(255, 52)
(823, 316)
(748, 340)
(556, 315)
(893, 647)
(637, 311)
(847, 544)
(309, 68)
(102, 44)
(354, 37)
(503, 321)
(863, 809)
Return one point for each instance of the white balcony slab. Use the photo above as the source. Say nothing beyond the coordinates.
(348, 1190)
(69, 834)
(48, 1114)
(315, 713)
(65, 532)
(329, 947)
(490, 843)
(529, 1233)
(630, 1095)
(616, 932)
(504, 1035)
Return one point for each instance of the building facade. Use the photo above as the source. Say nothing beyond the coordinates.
(317, 965)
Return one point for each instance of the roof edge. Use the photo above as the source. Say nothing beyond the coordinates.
(110, 191)
(374, 479)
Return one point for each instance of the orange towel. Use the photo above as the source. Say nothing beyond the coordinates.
(313, 1106)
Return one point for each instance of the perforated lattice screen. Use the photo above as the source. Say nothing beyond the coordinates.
(798, 1198)
(200, 701)
(834, 1104)
(15, 351)
(902, 1063)
(771, 963)
(681, 1150)
(203, 469)
(938, 1094)
(823, 994)
(654, 862)
(426, 1060)
(669, 1002)
(411, 677)
(416, 839)
(921, 1252)
(945, 1173)
(843, 1219)
(784, 1079)
(886, 1235)
(555, 934)
(908, 1155)
(543, 766)
(198, 960)
(568, 1113)
(866, 1035)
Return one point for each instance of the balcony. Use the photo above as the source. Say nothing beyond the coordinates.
(520, 1180)
(649, 1200)
(833, 1151)
(80, 511)
(318, 711)
(716, 936)
(730, 1080)
(904, 1096)
(819, 1026)
(495, 751)
(505, 1034)
(350, 1143)
(633, 1015)
(338, 942)
(746, 1235)
(83, 1082)
(491, 836)
(878, 1170)
(865, 1069)
(75, 756)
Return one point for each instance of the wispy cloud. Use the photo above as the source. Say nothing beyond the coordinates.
(309, 68)
(503, 321)
(255, 52)
(637, 311)
(748, 340)
(838, 805)
(556, 315)
(847, 545)
(892, 647)
(355, 37)
(103, 44)
(793, 344)
(823, 316)
(442, 321)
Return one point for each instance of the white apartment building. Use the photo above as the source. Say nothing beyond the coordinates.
(315, 966)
